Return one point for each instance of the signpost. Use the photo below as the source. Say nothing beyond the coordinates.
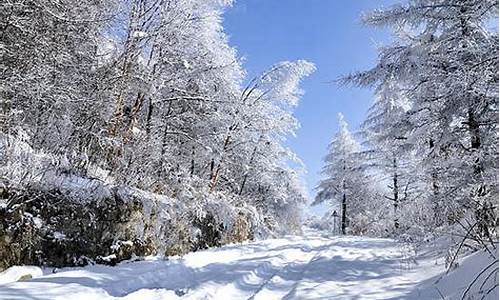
(335, 216)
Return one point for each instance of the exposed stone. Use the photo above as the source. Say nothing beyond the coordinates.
(71, 233)
(51, 229)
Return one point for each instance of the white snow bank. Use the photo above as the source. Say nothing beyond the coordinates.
(15, 273)
(468, 279)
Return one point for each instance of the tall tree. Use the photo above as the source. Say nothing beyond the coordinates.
(343, 174)
(49, 63)
(389, 154)
(446, 62)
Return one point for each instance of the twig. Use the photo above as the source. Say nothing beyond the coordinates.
(477, 277)
(440, 294)
(487, 278)
(460, 247)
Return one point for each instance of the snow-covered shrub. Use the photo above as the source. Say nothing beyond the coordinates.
(325, 223)
(241, 229)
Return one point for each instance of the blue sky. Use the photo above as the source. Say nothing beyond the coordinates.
(326, 32)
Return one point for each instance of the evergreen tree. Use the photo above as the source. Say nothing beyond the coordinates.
(445, 62)
(343, 176)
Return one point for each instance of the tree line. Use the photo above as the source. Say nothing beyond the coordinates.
(425, 160)
(149, 94)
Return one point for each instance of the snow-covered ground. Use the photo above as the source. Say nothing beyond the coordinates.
(313, 266)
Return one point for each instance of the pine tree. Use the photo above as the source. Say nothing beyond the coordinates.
(344, 178)
(445, 61)
(389, 154)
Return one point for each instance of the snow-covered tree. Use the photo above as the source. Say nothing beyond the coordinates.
(49, 69)
(389, 155)
(148, 95)
(255, 155)
(343, 176)
(445, 62)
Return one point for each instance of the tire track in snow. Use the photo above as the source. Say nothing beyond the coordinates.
(285, 270)
(293, 289)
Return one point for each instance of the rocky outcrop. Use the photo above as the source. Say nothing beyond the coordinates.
(50, 228)
(47, 228)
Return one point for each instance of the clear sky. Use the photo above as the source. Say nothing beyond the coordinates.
(326, 32)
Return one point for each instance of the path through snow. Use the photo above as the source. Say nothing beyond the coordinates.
(313, 266)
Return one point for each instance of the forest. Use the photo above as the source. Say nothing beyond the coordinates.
(130, 128)
(140, 121)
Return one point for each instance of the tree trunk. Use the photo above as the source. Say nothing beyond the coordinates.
(475, 137)
(148, 118)
(395, 192)
(4, 116)
(438, 218)
(344, 215)
(192, 160)
(252, 157)
(164, 142)
(120, 88)
(484, 212)
(227, 140)
(215, 176)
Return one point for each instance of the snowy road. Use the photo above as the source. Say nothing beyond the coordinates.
(310, 267)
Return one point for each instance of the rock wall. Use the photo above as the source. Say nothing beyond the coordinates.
(51, 229)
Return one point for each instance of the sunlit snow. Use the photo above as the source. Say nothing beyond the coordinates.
(313, 266)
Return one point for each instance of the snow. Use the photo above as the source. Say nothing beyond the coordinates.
(456, 282)
(38, 222)
(312, 266)
(16, 273)
(59, 235)
(109, 258)
(139, 34)
(118, 244)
